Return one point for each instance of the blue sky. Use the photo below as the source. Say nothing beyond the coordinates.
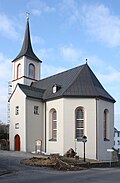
(64, 33)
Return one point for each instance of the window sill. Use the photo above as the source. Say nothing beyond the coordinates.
(106, 139)
(52, 140)
(79, 140)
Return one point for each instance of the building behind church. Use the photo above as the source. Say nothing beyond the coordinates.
(117, 139)
(56, 112)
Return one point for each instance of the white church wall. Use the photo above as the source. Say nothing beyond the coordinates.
(55, 146)
(66, 126)
(89, 106)
(17, 122)
(34, 124)
(103, 145)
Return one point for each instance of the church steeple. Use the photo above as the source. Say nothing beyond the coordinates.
(26, 66)
(26, 49)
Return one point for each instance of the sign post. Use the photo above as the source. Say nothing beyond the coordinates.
(38, 146)
(84, 140)
(110, 152)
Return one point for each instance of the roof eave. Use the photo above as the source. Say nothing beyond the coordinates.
(17, 58)
(79, 96)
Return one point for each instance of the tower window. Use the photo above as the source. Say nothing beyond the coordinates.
(32, 71)
(18, 71)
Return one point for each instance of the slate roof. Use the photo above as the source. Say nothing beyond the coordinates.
(78, 82)
(32, 91)
(26, 49)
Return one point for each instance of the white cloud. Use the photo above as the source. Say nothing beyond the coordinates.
(96, 19)
(45, 53)
(7, 27)
(70, 10)
(95, 62)
(37, 7)
(102, 25)
(49, 70)
(110, 75)
(71, 54)
(37, 40)
(5, 68)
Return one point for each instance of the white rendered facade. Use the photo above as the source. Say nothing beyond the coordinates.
(31, 126)
(96, 145)
(18, 119)
(52, 121)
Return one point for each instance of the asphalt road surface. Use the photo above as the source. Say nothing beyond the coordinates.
(13, 172)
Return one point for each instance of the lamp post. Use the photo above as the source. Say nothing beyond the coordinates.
(84, 140)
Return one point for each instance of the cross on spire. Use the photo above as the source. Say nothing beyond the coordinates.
(27, 15)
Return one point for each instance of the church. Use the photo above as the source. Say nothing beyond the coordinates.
(53, 114)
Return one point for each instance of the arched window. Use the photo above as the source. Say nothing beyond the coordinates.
(53, 125)
(79, 123)
(106, 125)
(32, 71)
(18, 71)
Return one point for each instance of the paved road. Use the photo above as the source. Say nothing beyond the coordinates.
(13, 172)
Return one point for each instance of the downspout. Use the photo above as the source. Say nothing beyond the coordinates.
(96, 132)
(45, 126)
(25, 126)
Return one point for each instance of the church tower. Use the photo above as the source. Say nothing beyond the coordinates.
(26, 66)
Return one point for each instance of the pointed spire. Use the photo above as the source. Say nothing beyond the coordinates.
(26, 49)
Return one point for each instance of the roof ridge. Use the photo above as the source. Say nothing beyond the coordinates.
(97, 82)
(82, 66)
(101, 86)
(60, 73)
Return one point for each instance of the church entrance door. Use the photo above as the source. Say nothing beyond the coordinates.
(17, 143)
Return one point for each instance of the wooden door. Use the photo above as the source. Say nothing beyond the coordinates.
(17, 143)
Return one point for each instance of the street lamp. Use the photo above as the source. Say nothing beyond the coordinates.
(84, 140)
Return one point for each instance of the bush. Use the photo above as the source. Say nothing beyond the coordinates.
(3, 136)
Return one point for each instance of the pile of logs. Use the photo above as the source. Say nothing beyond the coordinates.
(70, 153)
